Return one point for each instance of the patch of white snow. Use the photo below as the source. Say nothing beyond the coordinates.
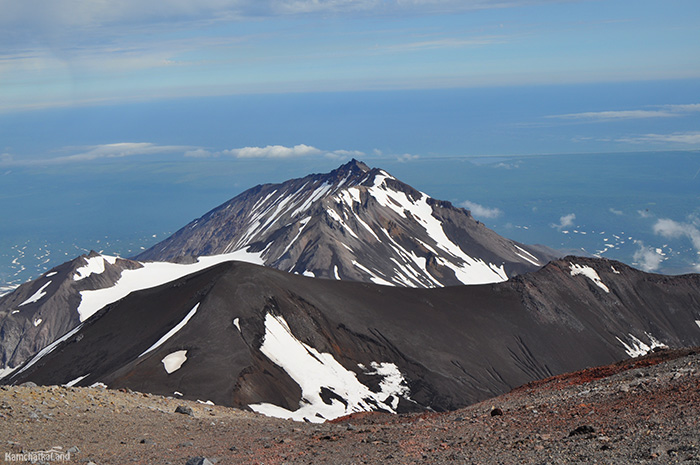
(173, 362)
(76, 380)
(36, 296)
(315, 371)
(589, 273)
(637, 348)
(94, 265)
(154, 274)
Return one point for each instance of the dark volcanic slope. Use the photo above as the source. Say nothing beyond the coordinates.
(247, 334)
(40, 311)
(358, 224)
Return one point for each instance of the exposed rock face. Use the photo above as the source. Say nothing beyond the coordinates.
(40, 311)
(358, 224)
(304, 348)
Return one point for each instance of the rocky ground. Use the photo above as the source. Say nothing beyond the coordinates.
(645, 410)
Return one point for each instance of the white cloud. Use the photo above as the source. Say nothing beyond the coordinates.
(273, 151)
(689, 138)
(647, 258)
(644, 213)
(407, 157)
(119, 150)
(616, 212)
(565, 221)
(663, 111)
(673, 230)
(480, 211)
(280, 151)
(615, 115)
(687, 108)
(95, 152)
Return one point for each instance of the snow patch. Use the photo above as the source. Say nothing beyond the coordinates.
(589, 273)
(53, 273)
(207, 402)
(308, 273)
(37, 321)
(316, 372)
(614, 270)
(38, 295)
(6, 371)
(697, 322)
(173, 362)
(98, 385)
(154, 274)
(172, 332)
(94, 265)
(637, 348)
(237, 323)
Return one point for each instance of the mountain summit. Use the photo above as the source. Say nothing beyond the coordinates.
(355, 223)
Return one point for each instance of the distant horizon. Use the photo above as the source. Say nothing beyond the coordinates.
(121, 122)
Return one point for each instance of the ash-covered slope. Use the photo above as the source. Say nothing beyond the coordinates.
(289, 346)
(358, 224)
(40, 311)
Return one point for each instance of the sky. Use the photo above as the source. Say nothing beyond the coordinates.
(87, 52)
(200, 99)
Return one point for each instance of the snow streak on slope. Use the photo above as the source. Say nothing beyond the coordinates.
(317, 372)
(151, 275)
(172, 332)
(467, 269)
(589, 273)
(37, 295)
(637, 348)
(49, 348)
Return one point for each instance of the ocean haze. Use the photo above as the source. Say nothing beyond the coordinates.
(117, 178)
(577, 203)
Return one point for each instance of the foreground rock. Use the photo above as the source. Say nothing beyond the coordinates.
(646, 410)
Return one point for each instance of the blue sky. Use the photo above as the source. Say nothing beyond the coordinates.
(82, 80)
(77, 52)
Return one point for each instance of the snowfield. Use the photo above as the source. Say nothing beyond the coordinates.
(316, 372)
(153, 274)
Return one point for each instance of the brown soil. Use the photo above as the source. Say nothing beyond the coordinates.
(644, 410)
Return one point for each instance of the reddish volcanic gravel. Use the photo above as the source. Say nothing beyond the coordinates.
(644, 410)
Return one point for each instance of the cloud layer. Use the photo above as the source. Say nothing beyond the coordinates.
(135, 149)
(275, 151)
(664, 111)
